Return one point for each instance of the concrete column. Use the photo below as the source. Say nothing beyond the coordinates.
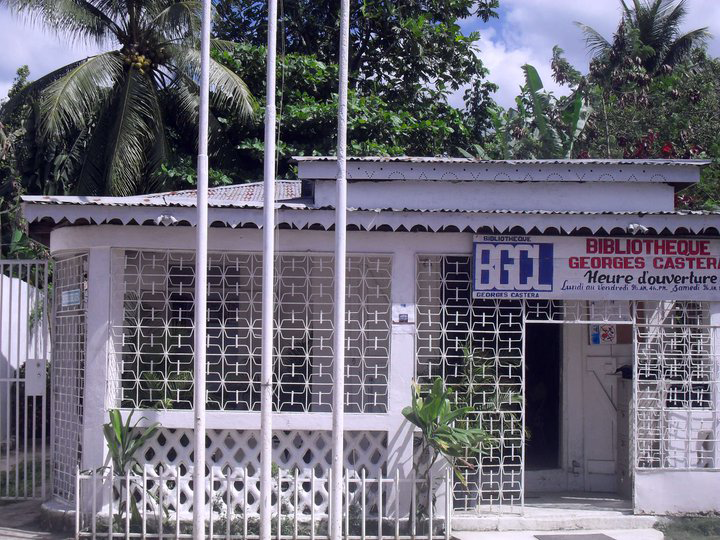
(715, 359)
(97, 347)
(402, 370)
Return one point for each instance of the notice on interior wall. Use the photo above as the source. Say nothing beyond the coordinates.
(589, 268)
(603, 334)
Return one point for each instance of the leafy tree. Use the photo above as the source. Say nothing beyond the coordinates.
(650, 30)
(307, 111)
(643, 111)
(541, 126)
(403, 52)
(14, 240)
(110, 110)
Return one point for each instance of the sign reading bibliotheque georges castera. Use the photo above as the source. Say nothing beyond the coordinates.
(590, 268)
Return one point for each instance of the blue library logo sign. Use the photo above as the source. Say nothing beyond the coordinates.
(512, 266)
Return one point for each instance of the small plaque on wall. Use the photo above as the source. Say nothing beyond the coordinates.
(603, 334)
(403, 313)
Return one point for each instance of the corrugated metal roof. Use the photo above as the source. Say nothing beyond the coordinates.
(252, 198)
(284, 190)
(598, 161)
(237, 196)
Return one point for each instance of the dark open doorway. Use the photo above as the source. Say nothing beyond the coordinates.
(543, 361)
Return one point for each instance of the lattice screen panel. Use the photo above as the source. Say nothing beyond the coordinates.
(239, 451)
(476, 346)
(676, 386)
(68, 371)
(578, 311)
(152, 356)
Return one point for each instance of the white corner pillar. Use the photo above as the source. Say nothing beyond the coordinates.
(97, 320)
(402, 371)
(715, 359)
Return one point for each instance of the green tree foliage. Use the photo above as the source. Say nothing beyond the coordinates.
(651, 93)
(403, 52)
(650, 31)
(655, 93)
(14, 144)
(109, 112)
(307, 108)
(540, 126)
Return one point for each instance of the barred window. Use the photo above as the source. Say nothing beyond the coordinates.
(153, 334)
(676, 381)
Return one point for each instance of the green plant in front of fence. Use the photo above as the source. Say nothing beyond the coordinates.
(441, 435)
(123, 441)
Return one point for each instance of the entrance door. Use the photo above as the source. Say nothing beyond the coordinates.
(600, 423)
(543, 359)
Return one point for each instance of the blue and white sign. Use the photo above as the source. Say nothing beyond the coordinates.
(596, 268)
(518, 266)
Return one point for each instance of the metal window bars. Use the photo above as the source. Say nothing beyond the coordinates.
(151, 361)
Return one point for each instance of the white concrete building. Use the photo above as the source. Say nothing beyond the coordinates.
(559, 275)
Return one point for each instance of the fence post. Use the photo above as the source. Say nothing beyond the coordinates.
(448, 503)
(77, 502)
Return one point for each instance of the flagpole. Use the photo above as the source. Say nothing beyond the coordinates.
(267, 280)
(338, 421)
(201, 257)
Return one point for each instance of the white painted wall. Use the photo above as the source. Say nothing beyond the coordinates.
(676, 492)
(662, 171)
(404, 248)
(484, 196)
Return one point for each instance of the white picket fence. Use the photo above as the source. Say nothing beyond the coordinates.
(375, 508)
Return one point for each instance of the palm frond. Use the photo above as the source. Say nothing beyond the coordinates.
(179, 19)
(73, 19)
(131, 135)
(113, 8)
(228, 90)
(596, 44)
(69, 102)
(91, 173)
(684, 44)
(35, 87)
(184, 96)
(223, 45)
(159, 150)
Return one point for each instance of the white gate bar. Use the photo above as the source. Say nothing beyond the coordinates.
(268, 270)
(338, 424)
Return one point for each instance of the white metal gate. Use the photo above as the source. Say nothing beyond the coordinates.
(24, 353)
(478, 348)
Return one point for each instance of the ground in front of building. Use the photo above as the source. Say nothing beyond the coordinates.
(23, 520)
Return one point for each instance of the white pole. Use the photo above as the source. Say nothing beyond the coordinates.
(201, 257)
(267, 281)
(338, 421)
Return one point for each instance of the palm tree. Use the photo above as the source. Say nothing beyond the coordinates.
(656, 24)
(110, 108)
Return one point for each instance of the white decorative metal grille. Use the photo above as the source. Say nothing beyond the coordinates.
(578, 311)
(676, 387)
(153, 338)
(238, 452)
(68, 371)
(477, 347)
